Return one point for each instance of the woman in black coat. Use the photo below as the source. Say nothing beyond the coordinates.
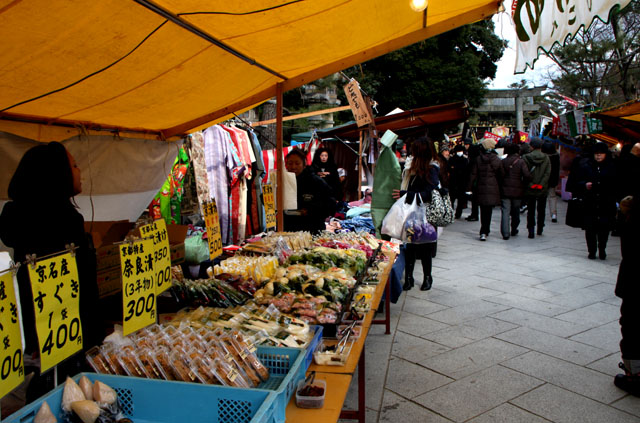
(594, 180)
(315, 197)
(458, 179)
(41, 219)
(487, 173)
(423, 179)
(325, 167)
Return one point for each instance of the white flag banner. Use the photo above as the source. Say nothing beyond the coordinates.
(541, 23)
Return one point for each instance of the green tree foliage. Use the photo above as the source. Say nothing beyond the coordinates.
(453, 66)
(602, 65)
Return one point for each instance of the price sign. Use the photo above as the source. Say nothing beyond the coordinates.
(269, 205)
(212, 222)
(138, 285)
(11, 364)
(161, 256)
(56, 299)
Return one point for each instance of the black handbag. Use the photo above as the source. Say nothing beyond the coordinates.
(575, 213)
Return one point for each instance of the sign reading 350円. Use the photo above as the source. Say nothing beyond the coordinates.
(138, 285)
(56, 300)
(162, 253)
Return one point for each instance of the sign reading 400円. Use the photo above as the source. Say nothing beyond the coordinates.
(212, 221)
(138, 285)
(11, 363)
(56, 299)
(161, 255)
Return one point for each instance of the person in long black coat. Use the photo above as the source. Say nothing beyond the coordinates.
(486, 176)
(516, 176)
(41, 219)
(628, 286)
(594, 180)
(458, 179)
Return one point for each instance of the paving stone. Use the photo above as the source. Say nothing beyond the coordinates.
(472, 358)
(630, 404)
(561, 406)
(468, 332)
(554, 346)
(608, 365)
(507, 413)
(550, 273)
(414, 349)
(541, 323)
(606, 337)
(411, 380)
(514, 278)
(469, 311)
(578, 379)
(579, 298)
(421, 307)
(568, 284)
(528, 304)
(452, 298)
(478, 393)
(595, 314)
(513, 288)
(417, 325)
(397, 409)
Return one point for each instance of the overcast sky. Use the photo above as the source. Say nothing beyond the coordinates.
(505, 76)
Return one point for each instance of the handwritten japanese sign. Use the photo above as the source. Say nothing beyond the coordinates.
(359, 107)
(212, 221)
(138, 285)
(11, 363)
(269, 205)
(161, 256)
(56, 298)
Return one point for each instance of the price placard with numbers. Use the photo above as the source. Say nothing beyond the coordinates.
(138, 285)
(56, 299)
(11, 360)
(269, 205)
(162, 253)
(212, 221)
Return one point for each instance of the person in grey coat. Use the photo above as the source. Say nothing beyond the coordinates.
(487, 171)
(536, 193)
(516, 177)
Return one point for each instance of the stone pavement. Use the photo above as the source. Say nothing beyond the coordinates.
(524, 330)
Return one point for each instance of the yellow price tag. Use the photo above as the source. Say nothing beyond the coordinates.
(138, 285)
(212, 221)
(11, 363)
(56, 298)
(269, 205)
(161, 256)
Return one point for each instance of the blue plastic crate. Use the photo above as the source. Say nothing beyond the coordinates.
(308, 358)
(157, 401)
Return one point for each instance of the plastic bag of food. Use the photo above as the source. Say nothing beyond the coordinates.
(71, 393)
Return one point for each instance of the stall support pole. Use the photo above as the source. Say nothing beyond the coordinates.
(280, 173)
(360, 166)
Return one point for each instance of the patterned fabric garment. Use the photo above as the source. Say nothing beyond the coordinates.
(223, 170)
(239, 191)
(200, 168)
(257, 205)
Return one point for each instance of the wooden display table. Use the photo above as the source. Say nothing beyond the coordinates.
(339, 377)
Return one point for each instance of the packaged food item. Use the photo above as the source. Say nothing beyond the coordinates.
(87, 387)
(148, 360)
(333, 355)
(97, 361)
(311, 395)
(103, 394)
(45, 415)
(70, 394)
(88, 411)
(129, 361)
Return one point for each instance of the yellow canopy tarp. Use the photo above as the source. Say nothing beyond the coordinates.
(165, 68)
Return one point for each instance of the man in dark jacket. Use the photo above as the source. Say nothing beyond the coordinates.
(516, 176)
(458, 179)
(549, 148)
(487, 173)
(536, 194)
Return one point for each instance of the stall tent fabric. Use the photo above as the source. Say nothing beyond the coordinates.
(169, 67)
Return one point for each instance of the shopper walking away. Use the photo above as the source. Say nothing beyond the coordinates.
(549, 148)
(594, 181)
(473, 152)
(536, 194)
(486, 175)
(627, 287)
(423, 178)
(458, 179)
(516, 177)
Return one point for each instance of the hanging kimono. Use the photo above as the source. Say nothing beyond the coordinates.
(258, 213)
(200, 168)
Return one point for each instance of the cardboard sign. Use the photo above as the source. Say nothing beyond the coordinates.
(161, 256)
(212, 222)
(138, 285)
(269, 205)
(56, 299)
(11, 362)
(359, 107)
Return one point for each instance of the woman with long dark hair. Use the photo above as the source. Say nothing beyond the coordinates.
(42, 219)
(423, 177)
(325, 167)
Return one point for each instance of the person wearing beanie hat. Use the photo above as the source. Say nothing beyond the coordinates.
(536, 193)
(458, 178)
(594, 181)
(487, 171)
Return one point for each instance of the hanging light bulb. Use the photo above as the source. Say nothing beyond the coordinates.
(418, 5)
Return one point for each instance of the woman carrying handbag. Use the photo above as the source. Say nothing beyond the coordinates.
(423, 178)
